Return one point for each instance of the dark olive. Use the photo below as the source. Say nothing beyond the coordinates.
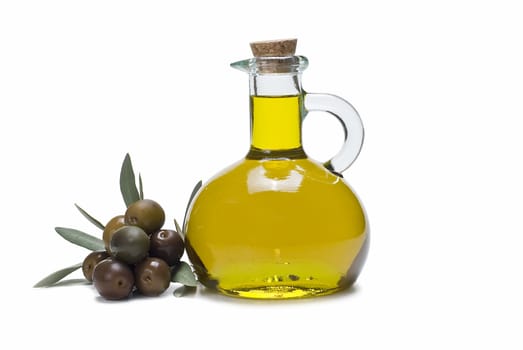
(113, 225)
(91, 261)
(129, 244)
(113, 279)
(146, 214)
(152, 276)
(167, 245)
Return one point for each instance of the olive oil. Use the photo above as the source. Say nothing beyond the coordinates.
(270, 111)
(277, 224)
(278, 227)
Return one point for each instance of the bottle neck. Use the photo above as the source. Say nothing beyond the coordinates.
(276, 105)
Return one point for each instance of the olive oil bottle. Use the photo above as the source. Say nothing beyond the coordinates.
(278, 224)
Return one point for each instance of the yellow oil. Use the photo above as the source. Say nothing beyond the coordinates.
(276, 227)
(276, 122)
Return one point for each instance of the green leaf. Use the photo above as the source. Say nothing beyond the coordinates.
(141, 185)
(128, 182)
(184, 290)
(90, 218)
(193, 193)
(73, 282)
(80, 238)
(57, 276)
(178, 228)
(182, 273)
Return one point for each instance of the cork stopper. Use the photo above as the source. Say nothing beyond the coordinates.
(274, 48)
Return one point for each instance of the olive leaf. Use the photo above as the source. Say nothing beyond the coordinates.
(193, 193)
(57, 276)
(184, 290)
(90, 218)
(80, 238)
(140, 183)
(178, 228)
(128, 182)
(182, 273)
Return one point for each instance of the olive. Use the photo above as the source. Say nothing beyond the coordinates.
(113, 279)
(152, 276)
(90, 262)
(113, 225)
(167, 245)
(147, 214)
(129, 244)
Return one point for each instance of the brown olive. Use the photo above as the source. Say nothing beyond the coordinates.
(91, 261)
(146, 214)
(152, 276)
(167, 245)
(129, 244)
(113, 279)
(113, 225)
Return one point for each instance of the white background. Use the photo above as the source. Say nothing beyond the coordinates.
(438, 85)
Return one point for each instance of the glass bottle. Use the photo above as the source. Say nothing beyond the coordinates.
(278, 224)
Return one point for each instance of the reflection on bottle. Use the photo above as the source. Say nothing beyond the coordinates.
(275, 175)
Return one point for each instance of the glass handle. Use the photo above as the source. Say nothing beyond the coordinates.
(352, 127)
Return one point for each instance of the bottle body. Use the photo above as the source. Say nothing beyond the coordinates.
(277, 228)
